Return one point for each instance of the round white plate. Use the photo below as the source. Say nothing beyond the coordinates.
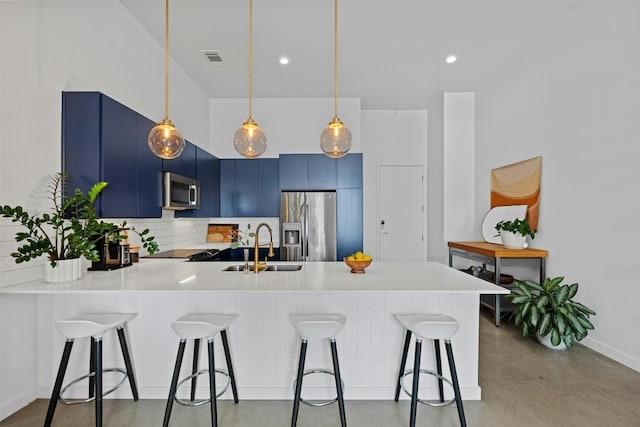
(497, 214)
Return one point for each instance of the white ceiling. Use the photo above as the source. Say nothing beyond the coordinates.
(391, 52)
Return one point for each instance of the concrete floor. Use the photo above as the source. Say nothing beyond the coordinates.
(523, 384)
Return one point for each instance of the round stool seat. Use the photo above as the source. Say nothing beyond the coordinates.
(196, 326)
(94, 325)
(430, 326)
(318, 325)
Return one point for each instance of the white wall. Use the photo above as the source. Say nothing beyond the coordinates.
(291, 125)
(459, 167)
(48, 47)
(573, 97)
(390, 137)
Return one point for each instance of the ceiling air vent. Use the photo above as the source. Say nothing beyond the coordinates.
(213, 56)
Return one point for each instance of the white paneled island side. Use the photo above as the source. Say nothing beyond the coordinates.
(263, 342)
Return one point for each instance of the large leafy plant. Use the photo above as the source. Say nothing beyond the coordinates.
(548, 308)
(71, 229)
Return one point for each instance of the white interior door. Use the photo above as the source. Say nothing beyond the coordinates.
(400, 213)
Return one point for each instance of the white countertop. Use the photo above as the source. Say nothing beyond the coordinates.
(170, 275)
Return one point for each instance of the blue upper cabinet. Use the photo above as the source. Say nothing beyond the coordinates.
(293, 172)
(249, 188)
(268, 188)
(149, 173)
(185, 164)
(349, 171)
(103, 140)
(321, 172)
(227, 187)
(246, 188)
(207, 172)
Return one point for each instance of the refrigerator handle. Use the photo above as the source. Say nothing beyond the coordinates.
(305, 232)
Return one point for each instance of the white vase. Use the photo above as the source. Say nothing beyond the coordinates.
(64, 271)
(546, 341)
(513, 240)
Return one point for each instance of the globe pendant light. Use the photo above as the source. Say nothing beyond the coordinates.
(165, 140)
(249, 140)
(335, 139)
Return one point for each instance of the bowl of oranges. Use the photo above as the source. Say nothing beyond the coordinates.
(358, 262)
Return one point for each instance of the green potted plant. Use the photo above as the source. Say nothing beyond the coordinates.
(70, 230)
(514, 233)
(548, 309)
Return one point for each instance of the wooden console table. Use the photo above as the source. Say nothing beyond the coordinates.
(491, 253)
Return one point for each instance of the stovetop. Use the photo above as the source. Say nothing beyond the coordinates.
(191, 254)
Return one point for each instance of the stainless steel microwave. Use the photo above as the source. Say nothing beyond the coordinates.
(180, 192)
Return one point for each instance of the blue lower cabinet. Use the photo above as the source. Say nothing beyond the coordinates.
(349, 221)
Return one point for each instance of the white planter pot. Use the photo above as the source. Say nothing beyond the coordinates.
(64, 271)
(513, 240)
(546, 341)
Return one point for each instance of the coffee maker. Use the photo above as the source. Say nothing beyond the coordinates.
(113, 252)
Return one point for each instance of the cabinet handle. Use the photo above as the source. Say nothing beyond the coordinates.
(193, 190)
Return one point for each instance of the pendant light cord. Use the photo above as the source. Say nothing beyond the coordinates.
(335, 58)
(166, 61)
(250, 56)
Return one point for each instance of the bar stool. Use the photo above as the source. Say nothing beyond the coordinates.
(94, 326)
(324, 326)
(434, 327)
(197, 327)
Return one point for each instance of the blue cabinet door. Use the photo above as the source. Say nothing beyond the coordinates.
(185, 164)
(293, 172)
(227, 187)
(349, 171)
(119, 160)
(268, 188)
(349, 221)
(149, 191)
(246, 188)
(81, 118)
(204, 173)
(321, 172)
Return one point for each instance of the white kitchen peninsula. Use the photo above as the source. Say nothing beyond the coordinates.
(263, 343)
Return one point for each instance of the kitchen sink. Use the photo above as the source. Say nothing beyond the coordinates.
(284, 267)
(270, 267)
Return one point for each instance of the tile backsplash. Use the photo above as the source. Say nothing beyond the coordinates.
(169, 232)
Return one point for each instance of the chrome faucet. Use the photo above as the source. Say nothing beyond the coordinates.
(257, 266)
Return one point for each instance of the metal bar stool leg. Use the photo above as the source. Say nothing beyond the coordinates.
(98, 376)
(58, 384)
(436, 345)
(416, 379)
(92, 368)
(194, 368)
(296, 398)
(174, 382)
(212, 385)
(456, 385)
(403, 362)
(338, 378)
(227, 356)
(127, 363)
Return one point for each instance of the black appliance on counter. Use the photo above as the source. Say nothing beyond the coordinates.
(112, 255)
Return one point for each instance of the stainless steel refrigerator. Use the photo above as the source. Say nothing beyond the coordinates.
(308, 226)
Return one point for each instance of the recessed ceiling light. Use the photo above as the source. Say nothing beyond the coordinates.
(451, 59)
(284, 60)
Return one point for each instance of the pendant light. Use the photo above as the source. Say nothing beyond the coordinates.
(165, 140)
(335, 139)
(249, 140)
